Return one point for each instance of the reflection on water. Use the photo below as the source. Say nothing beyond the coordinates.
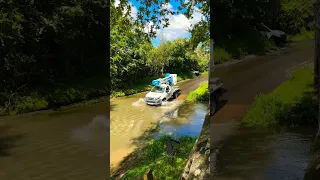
(181, 122)
(259, 154)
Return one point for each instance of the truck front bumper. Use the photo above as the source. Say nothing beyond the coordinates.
(153, 102)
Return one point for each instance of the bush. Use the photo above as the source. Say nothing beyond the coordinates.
(289, 104)
(31, 103)
(201, 94)
(221, 56)
(303, 35)
(56, 96)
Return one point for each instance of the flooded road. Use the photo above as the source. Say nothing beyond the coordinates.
(244, 154)
(253, 154)
(63, 145)
(133, 122)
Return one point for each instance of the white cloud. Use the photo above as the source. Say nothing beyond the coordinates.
(167, 6)
(179, 25)
(148, 28)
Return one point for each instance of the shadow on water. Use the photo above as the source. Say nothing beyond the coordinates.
(264, 154)
(7, 142)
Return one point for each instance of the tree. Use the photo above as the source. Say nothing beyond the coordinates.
(317, 58)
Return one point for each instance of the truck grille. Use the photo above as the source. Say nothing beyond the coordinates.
(150, 99)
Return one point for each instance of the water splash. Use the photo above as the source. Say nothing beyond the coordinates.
(139, 102)
(98, 124)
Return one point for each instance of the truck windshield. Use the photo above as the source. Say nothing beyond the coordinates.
(157, 89)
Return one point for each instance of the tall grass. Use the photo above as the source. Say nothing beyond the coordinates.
(289, 104)
(303, 35)
(201, 94)
(154, 157)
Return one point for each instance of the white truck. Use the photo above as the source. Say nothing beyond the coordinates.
(278, 36)
(163, 90)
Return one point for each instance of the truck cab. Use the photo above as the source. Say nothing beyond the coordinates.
(162, 91)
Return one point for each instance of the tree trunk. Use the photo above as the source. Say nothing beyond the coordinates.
(211, 62)
(317, 58)
(211, 66)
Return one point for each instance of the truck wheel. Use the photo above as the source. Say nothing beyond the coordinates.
(174, 95)
(164, 99)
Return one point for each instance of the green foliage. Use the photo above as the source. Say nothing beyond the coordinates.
(221, 56)
(294, 15)
(200, 94)
(303, 35)
(31, 103)
(289, 104)
(135, 62)
(154, 157)
(43, 43)
(48, 46)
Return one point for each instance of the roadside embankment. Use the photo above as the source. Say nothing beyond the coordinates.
(201, 94)
(198, 166)
(290, 104)
(154, 156)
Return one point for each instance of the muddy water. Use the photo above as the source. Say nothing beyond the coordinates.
(133, 122)
(253, 154)
(55, 145)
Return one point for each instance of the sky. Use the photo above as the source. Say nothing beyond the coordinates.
(178, 23)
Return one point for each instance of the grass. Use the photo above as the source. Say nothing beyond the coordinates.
(289, 104)
(60, 94)
(303, 35)
(204, 73)
(201, 94)
(154, 157)
(145, 85)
